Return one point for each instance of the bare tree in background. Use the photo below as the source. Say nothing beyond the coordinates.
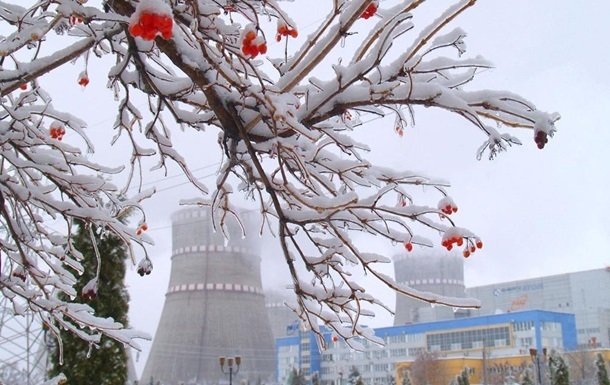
(283, 123)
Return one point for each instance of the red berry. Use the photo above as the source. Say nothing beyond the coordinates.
(262, 48)
(455, 209)
(460, 241)
(473, 249)
(250, 35)
(144, 267)
(466, 253)
(136, 30)
(139, 232)
(294, 33)
(479, 244)
(408, 246)
(144, 227)
(23, 86)
(83, 80)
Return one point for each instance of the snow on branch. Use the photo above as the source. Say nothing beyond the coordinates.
(285, 125)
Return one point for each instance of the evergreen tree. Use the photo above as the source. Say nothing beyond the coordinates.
(602, 373)
(406, 378)
(526, 378)
(463, 378)
(354, 375)
(558, 369)
(105, 364)
(315, 379)
(296, 378)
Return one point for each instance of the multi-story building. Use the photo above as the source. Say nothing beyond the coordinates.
(473, 339)
(586, 294)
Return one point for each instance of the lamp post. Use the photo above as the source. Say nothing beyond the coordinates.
(536, 360)
(230, 369)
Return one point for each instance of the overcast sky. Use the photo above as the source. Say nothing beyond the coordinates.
(538, 212)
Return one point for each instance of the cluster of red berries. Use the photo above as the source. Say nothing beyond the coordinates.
(285, 30)
(83, 79)
(90, 290)
(252, 44)
(447, 206)
(19, 272)
(144, 267)
(449, 242)
(142, 228)
(57, 130)
(75, 20)
(454, 237)
(150, 24)
(370, 10)
(541, 138)
(472, 247)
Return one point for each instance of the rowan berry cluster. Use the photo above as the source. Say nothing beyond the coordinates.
(57, 130)
(75, 20)
(284, 29)
(142, 228)
(541, 138)
(83, 79)
(144, 267)
(149, 25)
(447, 206)
(471, 247)
(252, 44)
(370, 10)
(90, 290)
(19, 272)
(453, 237)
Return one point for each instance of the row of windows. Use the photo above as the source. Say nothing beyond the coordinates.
(469, 339)
(401, 338)
(523, 326)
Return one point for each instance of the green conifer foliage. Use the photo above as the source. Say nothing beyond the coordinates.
(602, 372)
(526, 378)
(558, 369)
(105, 364)
(406, 378)
(463, 378)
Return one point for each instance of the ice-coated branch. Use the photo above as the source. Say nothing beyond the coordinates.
(284, 126)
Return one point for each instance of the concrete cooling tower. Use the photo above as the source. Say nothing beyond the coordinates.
(283, 320)
(437, 272)
(214, 307)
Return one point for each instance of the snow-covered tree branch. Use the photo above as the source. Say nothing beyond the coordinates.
(284, 123)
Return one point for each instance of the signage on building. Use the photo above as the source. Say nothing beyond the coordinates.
(518, 288)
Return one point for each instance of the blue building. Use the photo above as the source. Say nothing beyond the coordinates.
(498, 335)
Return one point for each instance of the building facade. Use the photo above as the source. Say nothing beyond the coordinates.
(458, 340)
(585, 294)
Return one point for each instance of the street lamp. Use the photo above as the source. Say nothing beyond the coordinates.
(230, 368)
(536, 360)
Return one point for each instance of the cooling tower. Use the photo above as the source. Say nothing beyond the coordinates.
(283, 320)
(437, 272)
(214, 307)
